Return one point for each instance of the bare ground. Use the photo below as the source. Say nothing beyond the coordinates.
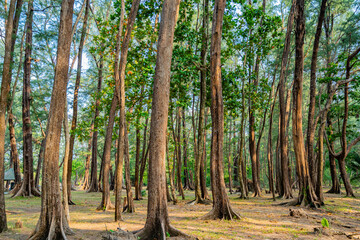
(262, 218)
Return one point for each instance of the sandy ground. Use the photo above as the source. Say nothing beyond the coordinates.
(262, 218)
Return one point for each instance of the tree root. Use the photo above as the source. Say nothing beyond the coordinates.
(148, 234)
(199, 201)
(215, 214)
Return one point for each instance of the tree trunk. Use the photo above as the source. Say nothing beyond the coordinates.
(157, 222)
(145, 149)
(229, 161)
(285, 188)
(76, 96)
(14, 153)
(65, 196)
(178, 155)
(120, 95)
(52, 223)
(307, 195)
(130, 203)
(86, 182)
(187, 184)
(10, 38)
(137, 161)
(221, 204)
(27, 188)
(311, 128)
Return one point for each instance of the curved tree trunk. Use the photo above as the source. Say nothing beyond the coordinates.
(221, 204)
(307, 194)
(311, 128)
(52, 223)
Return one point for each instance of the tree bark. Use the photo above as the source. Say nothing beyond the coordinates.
(157, 222)
(52, 223)
(221, 204)
(76, 96)
(14, 153)
(307, 195)
(285, 188)
(130, 201)
(187, 184)
(10, 37)
(311, 128)
(27, 188)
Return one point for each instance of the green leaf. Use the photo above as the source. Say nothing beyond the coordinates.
(325, 223)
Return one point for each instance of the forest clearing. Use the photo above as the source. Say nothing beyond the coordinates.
(261, 218)
(179, 119)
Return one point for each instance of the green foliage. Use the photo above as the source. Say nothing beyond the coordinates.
(325, 223)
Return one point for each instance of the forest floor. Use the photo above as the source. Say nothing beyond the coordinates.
(262, 218)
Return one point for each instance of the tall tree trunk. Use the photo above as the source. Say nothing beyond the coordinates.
(307, 195)
(52, 223)
(28, 185)
(145, 150)
(76, 96)
(178, 155)
(199, 157)
(157, 222)
(311, 128)
(285, 189)
(86, 182)
(65, 196)
(40, 160)
(120, 93)
(221, 204)
(94, 184)
(187, 184)
(130, 201)
(11, 27)
(14, 153)
(137, 160)
(204, 192)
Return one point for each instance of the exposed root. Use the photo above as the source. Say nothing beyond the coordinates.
(148, 234)
(215, 214)
(199, 201)
(70, 202)
(109, 206)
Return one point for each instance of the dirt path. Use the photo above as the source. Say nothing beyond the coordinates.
(261, 218)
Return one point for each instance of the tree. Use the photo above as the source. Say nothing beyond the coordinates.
(221, 204)
(75, 103)
(311, 128)
(307, 194)
(285, 189)
(52, 223)
(10, 37)
(157, 222)
(28, 185)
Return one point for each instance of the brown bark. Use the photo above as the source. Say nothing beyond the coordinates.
(187, 183)
(93, 181)
(86, 182)
(10, 37)
(229, 160)
(15, 162)
(120, 93)
(137, 161)
(52, 223)
(221, 204)
(76, 96)
(178, 154)
(204, 192)
(307, 195)
(130, 203)
(157, 222)
(65, 196)
(27, 188)
(311, 115)
(199, 149)
(144, 154)
(118, 183)
(285, 189)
